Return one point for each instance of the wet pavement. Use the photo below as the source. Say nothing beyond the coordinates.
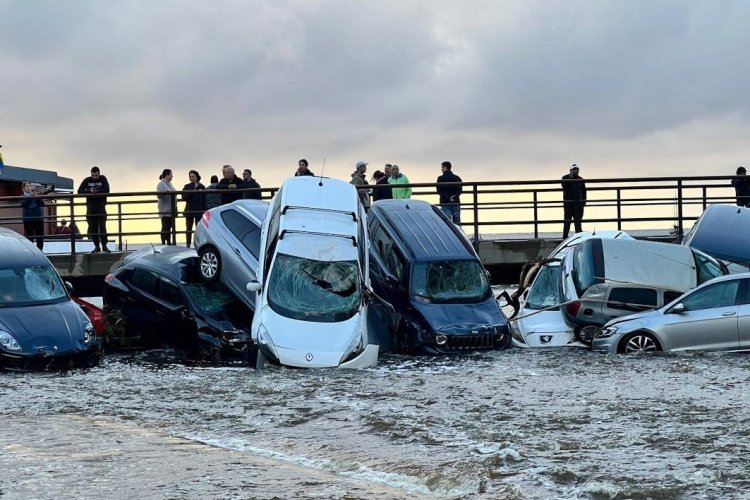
(514, 424)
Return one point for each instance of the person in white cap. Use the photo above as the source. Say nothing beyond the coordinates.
(574, 199)
(358, 179)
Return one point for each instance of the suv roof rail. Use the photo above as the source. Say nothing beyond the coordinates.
(333, 210)
(316, 233)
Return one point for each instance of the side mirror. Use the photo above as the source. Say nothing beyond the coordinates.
(185, 313)
(69, 286)
(253, 286)
(678, 309)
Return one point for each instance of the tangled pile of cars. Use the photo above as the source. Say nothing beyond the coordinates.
(619, 295)
(311, 280)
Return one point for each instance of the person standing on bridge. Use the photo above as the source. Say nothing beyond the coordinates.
(230, 184)
(96, 208)
(574, 199)
(741, 185)
(166, 204)
(302, 169)
(32, 208)
(450, 196)
(399, 193)
(247, 178)
(195, 204)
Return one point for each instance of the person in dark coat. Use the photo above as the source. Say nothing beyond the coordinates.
(213, 199)
(574, 199)
(230, 184)
(195, 204)
(247, 178)
(302, 168)
(96, 208)
(33, 216)
(741, 185)
(450, 196)
(379, 192)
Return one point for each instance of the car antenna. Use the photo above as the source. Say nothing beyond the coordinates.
(322, 169)
(155, 250)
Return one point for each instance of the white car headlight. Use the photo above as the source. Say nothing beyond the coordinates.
(606, 332)
(8, 342)
(354, 349)
(89, 334)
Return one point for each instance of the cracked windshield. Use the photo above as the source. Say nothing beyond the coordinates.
(30, 284)
(331, 289)
(544, 291)
(450, 281)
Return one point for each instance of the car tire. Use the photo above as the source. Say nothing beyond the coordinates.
(209, 263)
(639, 342)
(585, 333)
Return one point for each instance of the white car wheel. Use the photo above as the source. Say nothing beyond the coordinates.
(210, 264)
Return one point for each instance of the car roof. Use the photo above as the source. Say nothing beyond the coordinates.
(650, 263)
(577, 238)
(256, 208)
(723, 231)
(19, 251)
(166, 260)
(422, 231)
(311, 205)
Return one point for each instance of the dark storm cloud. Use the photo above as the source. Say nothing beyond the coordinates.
(181, 82)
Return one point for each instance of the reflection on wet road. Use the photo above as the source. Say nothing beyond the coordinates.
(515, 424)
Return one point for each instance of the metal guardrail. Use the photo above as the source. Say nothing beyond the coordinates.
(528, 207)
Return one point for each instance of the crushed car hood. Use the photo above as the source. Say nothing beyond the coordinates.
(49, 329)
(461, 318)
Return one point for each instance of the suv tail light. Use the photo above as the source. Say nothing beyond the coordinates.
(206, 218)
(573, 308)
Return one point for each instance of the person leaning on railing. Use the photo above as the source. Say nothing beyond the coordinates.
(166, 205)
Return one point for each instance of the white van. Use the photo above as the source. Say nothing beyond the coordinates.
(313, 287)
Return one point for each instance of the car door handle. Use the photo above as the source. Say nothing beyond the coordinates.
(236, 250)
(728, 313)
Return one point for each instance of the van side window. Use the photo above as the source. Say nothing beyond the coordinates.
(383, 243)
(146, 281)
(396, 264)
(632, 299)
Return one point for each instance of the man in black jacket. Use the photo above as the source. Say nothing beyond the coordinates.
(247, 179)
(574, 199)
(96, 208)
(230, 183)
(450, 201)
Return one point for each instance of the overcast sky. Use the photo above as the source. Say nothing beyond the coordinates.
(504, 89)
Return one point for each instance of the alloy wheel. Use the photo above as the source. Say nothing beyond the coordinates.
(209, 265)
(640, 343)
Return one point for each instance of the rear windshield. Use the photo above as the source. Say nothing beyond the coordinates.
(453, 281)
(707, 267)
(545, 291)
(588, 265)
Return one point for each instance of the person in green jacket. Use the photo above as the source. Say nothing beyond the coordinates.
(398, 178)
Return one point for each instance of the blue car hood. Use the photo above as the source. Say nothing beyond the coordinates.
(461, 318)
(49, 329)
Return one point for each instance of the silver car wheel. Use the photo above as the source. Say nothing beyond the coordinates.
(209, 265)
(640, 343)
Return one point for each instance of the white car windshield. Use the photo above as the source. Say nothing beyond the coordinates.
(545, 291)
(313, 290)
(457, 281)
(30, 286)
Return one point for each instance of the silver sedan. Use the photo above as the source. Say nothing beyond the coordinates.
(228, 243)
(712, 317)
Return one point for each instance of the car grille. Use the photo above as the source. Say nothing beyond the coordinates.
(470, 341)
(38, 362)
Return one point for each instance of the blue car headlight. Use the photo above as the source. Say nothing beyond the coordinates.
(89, 334)
(8, 342)
(606, 332)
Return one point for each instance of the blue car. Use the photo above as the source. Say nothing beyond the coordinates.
(41, 327)
(424, 266)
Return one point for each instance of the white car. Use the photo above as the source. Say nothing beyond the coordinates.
(313, 286)
(539, 322)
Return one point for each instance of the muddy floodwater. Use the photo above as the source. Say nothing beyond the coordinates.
(514, 424)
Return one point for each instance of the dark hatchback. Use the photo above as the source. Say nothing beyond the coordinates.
(40, 326)
(428, 271)
(157, 298)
